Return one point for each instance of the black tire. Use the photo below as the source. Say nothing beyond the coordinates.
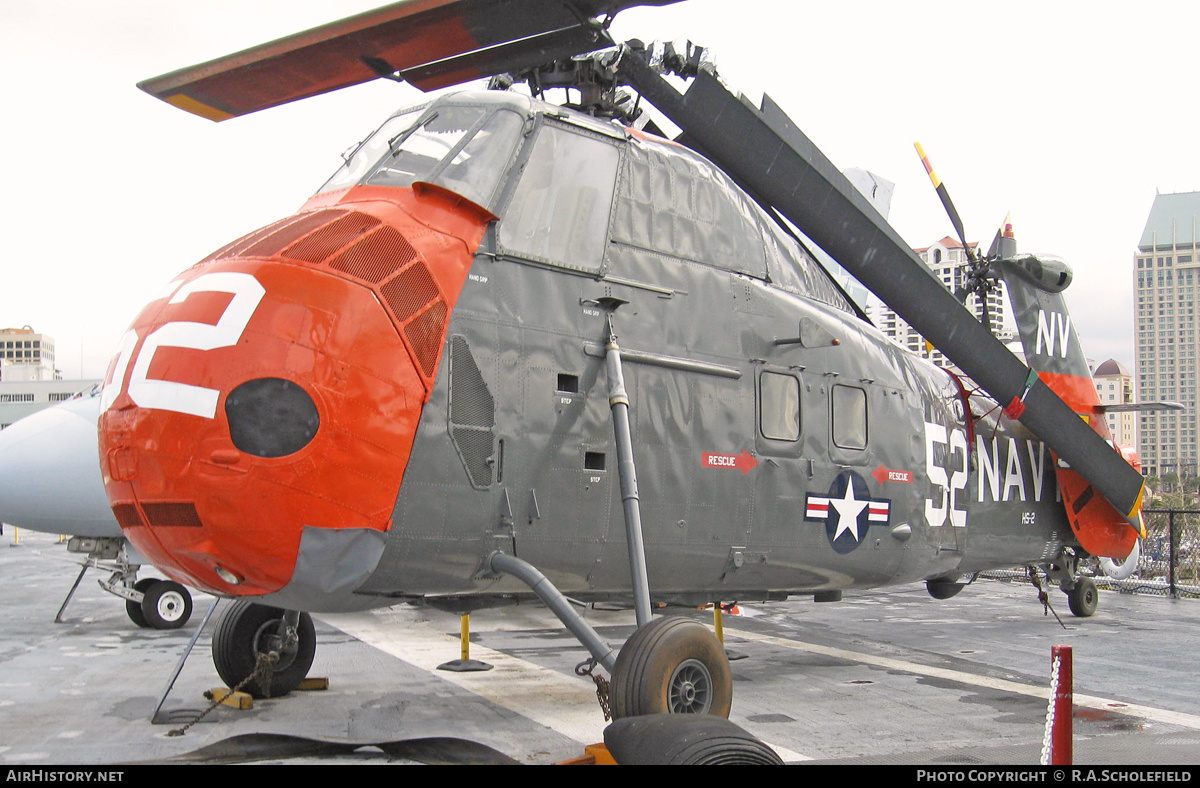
(942, 589)
(166, 605)
(242, 633)
(671, 666)
(134, 609)
(1084, 598)
(685, 740)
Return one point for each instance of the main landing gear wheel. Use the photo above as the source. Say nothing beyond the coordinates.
(247, 630)
(165, 604)
(671, 666)
(1084, 598)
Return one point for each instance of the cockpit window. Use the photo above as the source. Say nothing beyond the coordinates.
(360, 161)
(414, 157)
(560, 210)
(453, 147)
(476, 170)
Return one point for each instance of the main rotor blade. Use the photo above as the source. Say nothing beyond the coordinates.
(765, 153)
(434, 43)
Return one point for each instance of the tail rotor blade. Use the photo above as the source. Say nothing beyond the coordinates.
(1005, 227)
(947, 203)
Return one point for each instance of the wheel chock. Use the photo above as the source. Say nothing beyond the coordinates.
(227, 697)
(313, 684)
(593, 755)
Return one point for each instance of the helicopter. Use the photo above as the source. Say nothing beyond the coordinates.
(517, 349)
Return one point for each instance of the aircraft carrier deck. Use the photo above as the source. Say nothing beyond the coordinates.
(883, 677)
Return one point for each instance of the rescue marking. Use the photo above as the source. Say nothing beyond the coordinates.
(744, 462)
(883, 475)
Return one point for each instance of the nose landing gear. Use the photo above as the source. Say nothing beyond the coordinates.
(273, 645)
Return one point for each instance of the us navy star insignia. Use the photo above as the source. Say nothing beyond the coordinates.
(847, 511)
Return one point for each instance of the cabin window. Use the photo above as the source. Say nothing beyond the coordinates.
(559, 210)
(848, 406)
(779, 406)
(674, 204)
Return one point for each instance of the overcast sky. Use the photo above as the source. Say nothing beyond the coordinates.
(1069, 115)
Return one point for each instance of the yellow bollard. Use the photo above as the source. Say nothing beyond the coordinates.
(464, 664)
(719, 625)
(464, 635)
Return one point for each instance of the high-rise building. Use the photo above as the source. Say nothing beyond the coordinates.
(947, 259)
(26, 355)
(28, 379)
(1114, 385)
(1167, 277)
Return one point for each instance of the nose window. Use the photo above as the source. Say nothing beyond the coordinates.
(271, 417)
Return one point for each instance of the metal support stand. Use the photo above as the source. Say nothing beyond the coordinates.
(157, 718)
(71, 593)
(558, 604)
(618, 401)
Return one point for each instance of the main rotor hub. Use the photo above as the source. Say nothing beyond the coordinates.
(595, 76)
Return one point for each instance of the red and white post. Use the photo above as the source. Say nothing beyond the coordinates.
(1057, 743)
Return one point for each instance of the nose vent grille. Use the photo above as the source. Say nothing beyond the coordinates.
(409, 290)
(288, 233)
(158, 515)
(322, 244)
(127, 515)
(163, 515)
(364, 247)
(375, 257)
(424, 336)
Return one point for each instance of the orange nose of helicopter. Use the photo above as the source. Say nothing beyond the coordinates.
(264, 406)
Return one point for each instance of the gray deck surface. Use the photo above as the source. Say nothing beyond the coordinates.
(883, 677)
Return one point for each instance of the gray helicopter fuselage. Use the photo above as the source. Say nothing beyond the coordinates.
(782, 444)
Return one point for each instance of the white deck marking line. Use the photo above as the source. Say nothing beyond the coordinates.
(564, 704)
(548, 697)
(1181, 719)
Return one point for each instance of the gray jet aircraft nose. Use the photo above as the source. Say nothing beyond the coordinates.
(50, 472)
